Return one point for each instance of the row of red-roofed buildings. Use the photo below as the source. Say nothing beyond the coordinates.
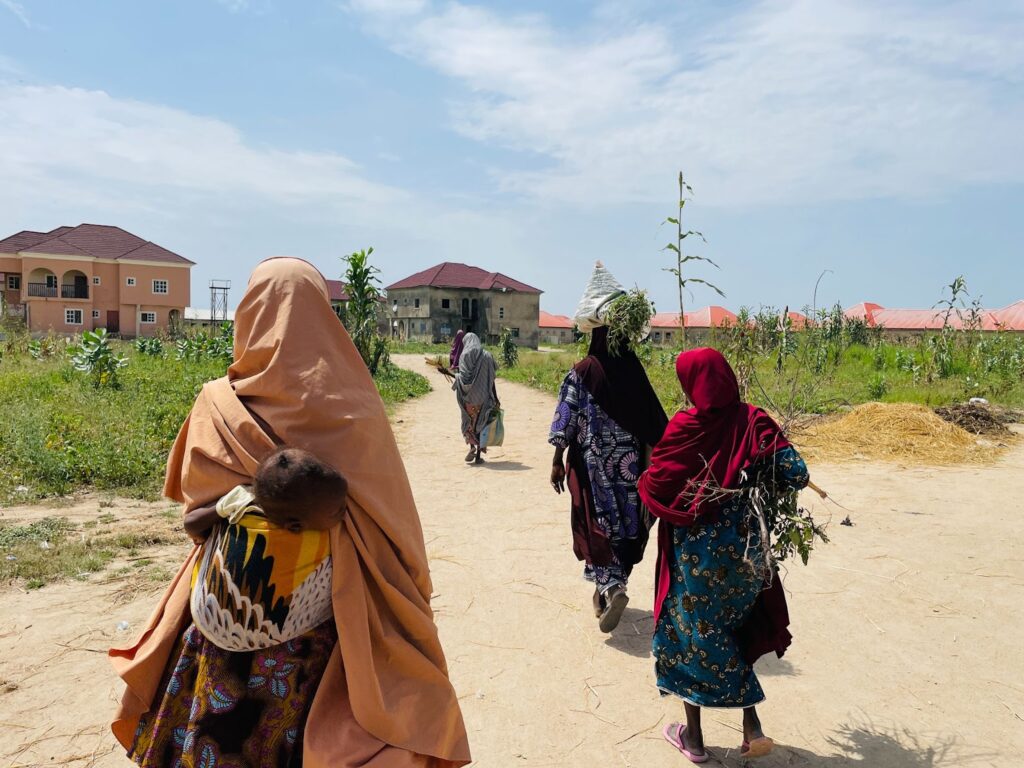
(558, 329)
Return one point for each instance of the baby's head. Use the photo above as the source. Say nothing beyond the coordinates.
(299, 492)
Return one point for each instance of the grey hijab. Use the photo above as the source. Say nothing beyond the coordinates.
(474, 383)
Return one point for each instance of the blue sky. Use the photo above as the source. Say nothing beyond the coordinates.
(881, 140)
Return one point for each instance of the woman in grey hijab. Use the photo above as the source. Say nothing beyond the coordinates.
(475, 391)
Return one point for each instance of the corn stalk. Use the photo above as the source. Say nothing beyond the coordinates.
(685, 194)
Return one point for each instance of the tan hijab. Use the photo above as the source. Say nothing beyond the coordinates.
(298, 380)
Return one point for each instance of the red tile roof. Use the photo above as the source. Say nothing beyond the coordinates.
(451, 275)
(863, 311)
(798, 320)
(21, 240)
(547, 320)
(337, 290)
(708, 317)
(1012, 317)
(95, 240)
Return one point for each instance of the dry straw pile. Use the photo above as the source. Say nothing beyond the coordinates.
(896, 432)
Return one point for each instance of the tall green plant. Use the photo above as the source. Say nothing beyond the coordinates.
(682, 258)
(360, 316)
(96, 357)
(509, 349)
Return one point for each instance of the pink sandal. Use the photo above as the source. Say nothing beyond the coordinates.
(756, 748)
(673, 734)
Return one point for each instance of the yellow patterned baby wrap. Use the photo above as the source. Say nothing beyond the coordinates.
(257, 585)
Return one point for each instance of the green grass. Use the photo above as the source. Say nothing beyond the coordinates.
(849, 383)
(420, 347)
(54, 549)
(59, 434)
(396, 385)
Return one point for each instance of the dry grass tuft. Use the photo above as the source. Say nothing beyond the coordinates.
(895, 432)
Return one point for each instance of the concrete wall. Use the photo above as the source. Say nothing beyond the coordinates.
(556, 336)
(435, 314)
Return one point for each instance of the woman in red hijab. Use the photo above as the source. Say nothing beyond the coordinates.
(715, 615)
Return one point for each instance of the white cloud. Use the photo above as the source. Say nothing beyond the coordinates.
(90, 143)
(196, 185)
(235, 6)
(18, 10)
(386, 7)
(789, 100)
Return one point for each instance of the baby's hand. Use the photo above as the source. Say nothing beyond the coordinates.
(198, 538)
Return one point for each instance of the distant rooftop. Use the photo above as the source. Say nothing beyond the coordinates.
(547, 320)
(451, 275)
(337, 290)
(90, 241)
(203, 315)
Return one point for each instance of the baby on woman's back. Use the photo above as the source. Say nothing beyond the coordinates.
(264, 575)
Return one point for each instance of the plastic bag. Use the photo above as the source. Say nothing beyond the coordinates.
(600, 291)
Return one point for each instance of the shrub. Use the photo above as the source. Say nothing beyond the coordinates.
(509, 349)
(96, 357)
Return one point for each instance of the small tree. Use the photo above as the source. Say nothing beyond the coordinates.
(360, 316)
(685, 194)
(509, 350)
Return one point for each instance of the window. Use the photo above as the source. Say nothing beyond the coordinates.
(515, 333)
(14, 282)
(416, 303)
(657, 335)
(95, 314)
(95, 279)
(423, 327)
(446, 303)
(668, 335)
(501, 313)
(130, 282)
(476, 310)
(465, 308)
(160, 286)
(72, 317)
(149, 318)
(51, 281)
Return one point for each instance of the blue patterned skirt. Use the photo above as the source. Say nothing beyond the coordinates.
(697, 656)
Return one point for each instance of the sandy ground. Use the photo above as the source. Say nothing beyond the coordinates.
(907, 627)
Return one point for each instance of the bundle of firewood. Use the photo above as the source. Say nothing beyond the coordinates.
(440, 364)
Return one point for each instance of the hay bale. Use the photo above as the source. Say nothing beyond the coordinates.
(895, 432)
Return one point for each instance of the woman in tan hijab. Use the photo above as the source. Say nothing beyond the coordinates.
(383, 699)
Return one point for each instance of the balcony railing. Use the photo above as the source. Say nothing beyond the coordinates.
(42, 290)
(46, 291)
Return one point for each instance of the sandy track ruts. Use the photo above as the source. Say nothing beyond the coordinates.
(907, 627)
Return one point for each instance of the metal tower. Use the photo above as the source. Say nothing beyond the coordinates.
(219, 301)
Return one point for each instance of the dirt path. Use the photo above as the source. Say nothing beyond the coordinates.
(907, 626)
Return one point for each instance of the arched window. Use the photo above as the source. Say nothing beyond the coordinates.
(465, 308)
(476, 310)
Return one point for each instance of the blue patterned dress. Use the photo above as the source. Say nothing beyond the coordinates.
(611, 458)
(696, 654)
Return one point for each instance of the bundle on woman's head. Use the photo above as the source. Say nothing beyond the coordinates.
(606, 304)
(601, 290)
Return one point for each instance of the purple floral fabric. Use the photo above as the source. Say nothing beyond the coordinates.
(612, 458)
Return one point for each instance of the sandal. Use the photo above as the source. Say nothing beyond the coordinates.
(599, 603)
(616, 601)
(673, 733)
(756, 748)
(471, 456)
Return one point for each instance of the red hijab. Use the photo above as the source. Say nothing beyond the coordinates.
(704, 448)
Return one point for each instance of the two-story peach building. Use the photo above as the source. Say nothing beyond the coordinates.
(91, 276)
